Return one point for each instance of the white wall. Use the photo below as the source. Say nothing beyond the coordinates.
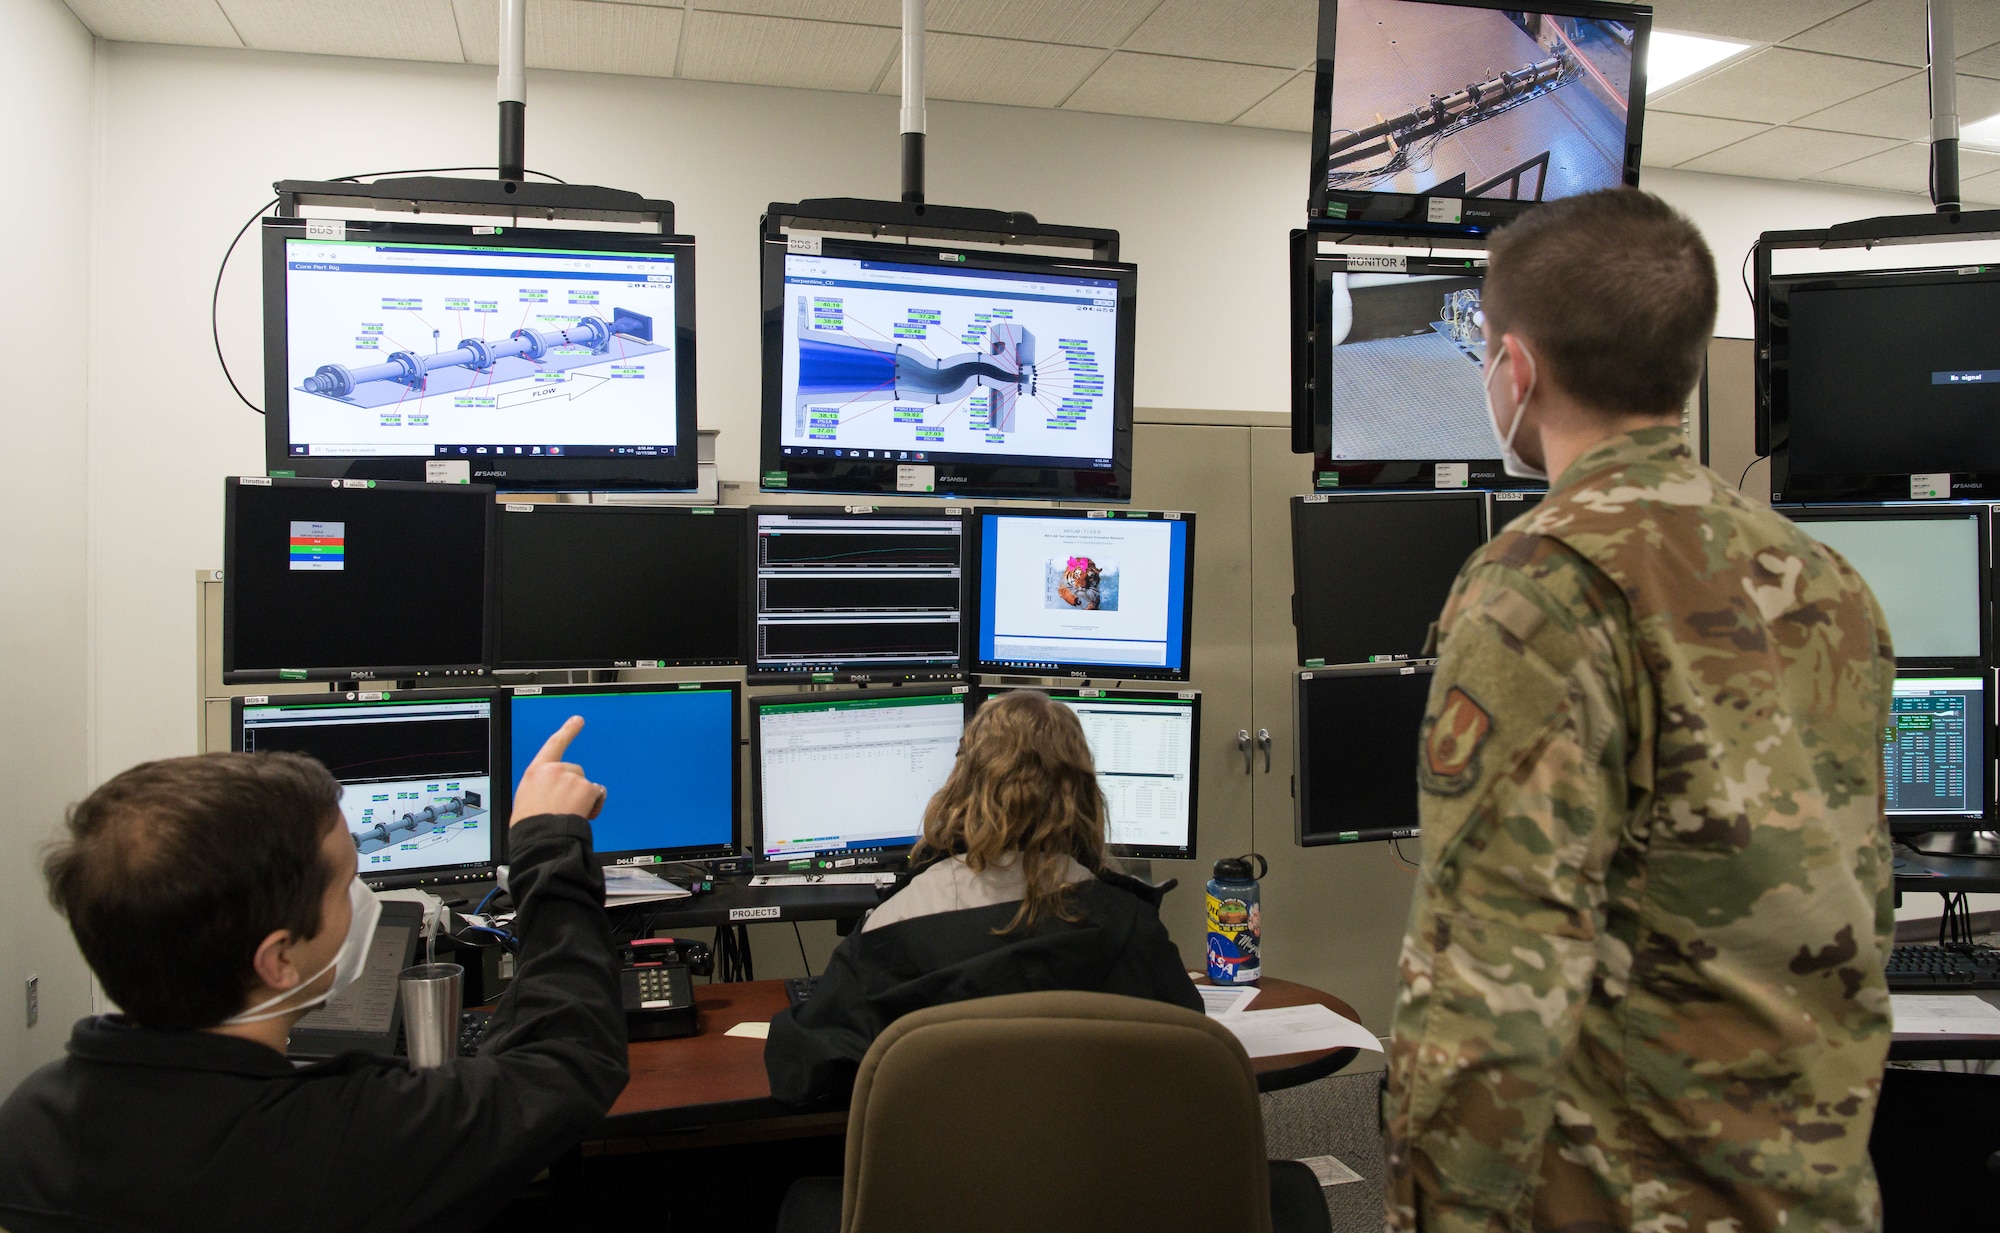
(45, 149)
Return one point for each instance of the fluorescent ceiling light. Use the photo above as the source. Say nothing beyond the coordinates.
(1673, 57)
(1984, 134)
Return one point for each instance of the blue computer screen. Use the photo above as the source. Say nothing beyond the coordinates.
(667, 760)
(1099, 592)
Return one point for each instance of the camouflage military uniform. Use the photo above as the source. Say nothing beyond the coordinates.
(1643, 986)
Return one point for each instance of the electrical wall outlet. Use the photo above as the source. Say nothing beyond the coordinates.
(34, 999)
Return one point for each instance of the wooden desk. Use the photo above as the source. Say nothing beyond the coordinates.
(712, 1079)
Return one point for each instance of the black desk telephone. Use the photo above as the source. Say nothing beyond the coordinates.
(657, 981)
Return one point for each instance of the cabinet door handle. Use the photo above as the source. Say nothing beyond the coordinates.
(1264, 743)
(1243, 744)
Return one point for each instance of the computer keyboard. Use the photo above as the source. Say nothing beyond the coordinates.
(472, 1025)
(799, 988)
(1917, 969)
(824, 879)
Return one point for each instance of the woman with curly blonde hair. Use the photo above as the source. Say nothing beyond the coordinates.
(1012, 895)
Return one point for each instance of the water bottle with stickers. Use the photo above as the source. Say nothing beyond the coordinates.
(1235, 923)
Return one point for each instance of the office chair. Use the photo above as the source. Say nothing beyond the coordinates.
(1059, 1112)
(1936, 1148)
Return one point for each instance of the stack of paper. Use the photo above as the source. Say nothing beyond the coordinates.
(1945, 1014)
(624, 885)
(1296, 1029)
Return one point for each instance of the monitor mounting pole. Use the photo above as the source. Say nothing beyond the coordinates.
(513, 89)
(1944, 109)
(913, 101)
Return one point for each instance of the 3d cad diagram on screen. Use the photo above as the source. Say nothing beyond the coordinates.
(833, 364)
(408, 817)
(525, 355)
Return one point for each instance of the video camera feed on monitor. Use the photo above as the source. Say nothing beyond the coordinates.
(1404, 358)
(901, 369)
(1926, 567)
(533, 358)
(416, 775)
(1934, 758)
(1085, 593)
(1458, 114)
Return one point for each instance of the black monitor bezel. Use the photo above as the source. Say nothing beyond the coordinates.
(1925, 512)
(1131, 851)
(758, 702)
(1773, 388)
(1301, 735)
(563, 510)
(1050, 670)
(499, 742)
(954, 481)
(845, 675)
(1300, 565)
(1413, 218)
(1905, 824)
(657, 856)
(678, 472)
(233, 675)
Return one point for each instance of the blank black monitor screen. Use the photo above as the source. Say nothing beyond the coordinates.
(1925, 568)
(418, 792)
(1935, 761)
(1358, 733)
(1370, 573)
(346, 579)
(608, 586)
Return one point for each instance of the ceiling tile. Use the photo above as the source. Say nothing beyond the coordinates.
(1907, 169)
(1005, 71)
(1096, 23)
(637, 40)
(1289, 106)
(1903, 109)
(1174, 88)
(197, 23)
(1276, 32)
(1775, 85)
(1982, 63)
(1788, 153)
(773, 51)
(1984, 188)
(1758, 21)
(1896, 30)
(858, 12)
(1670, 140)
(382, 29)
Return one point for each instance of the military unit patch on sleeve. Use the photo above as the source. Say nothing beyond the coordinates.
(1452, 739)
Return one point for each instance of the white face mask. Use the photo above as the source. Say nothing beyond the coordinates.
(346, 963)
(1510, 459)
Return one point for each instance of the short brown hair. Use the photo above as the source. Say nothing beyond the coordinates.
(1615, 291)
(1024, 783)
(175, 871)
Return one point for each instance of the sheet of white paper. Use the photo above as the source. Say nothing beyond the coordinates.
(1330, 1170)
(1297, 1029)
(1948, 1014)
(1221, 1001)
(759, 1030)
(625, 885)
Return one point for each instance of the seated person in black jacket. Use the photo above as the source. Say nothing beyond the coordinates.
(217, 900)
(1013, 897)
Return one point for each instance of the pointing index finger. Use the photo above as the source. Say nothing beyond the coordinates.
(553, 748)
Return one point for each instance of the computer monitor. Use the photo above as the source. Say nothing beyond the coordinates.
(418, 791)
(1147, 748)
(1085, 593)
(1927, 567)
(1370, 572)
(856, 594)
(1358, 732)
(665, 752)
(522, 358)
(1503, 509)
(1882, 385)
(849, 772)
(617, 586)
(900, 368)
(353, 579)
(1937, 757)
(1454, 116)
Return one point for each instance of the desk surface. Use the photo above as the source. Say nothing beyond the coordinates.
(1946, 874)
(1932, 1046)
(712, 1078)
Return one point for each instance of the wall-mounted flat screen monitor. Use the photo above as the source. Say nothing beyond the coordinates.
(419, 792)
(330, 580)
(1147, 748)
(1371, 571)
(1453, 116)
(617, 586)
(1358, 732)
(1883, 386)
(852, 594)
(1085, 593)
(1503, 509)
(1927, 568)
(1937, 757)
(665, 752)
(892, 368)
(849, 772)
(521, 358)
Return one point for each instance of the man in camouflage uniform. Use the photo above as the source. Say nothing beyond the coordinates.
(1642, 987)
